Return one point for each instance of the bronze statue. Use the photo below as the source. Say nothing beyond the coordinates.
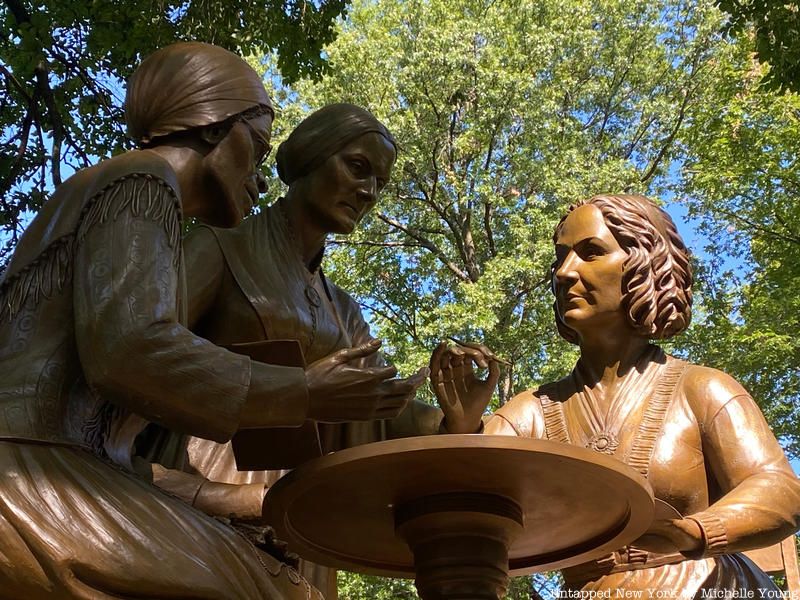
(92, 348)
(622, 277)
(264, 281)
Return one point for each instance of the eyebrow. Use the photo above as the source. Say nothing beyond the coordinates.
(372, 164)
(589, 240)
(593, 240)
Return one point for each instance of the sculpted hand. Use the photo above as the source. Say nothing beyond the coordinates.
(338, 391)
(461, 395)
(672, 535)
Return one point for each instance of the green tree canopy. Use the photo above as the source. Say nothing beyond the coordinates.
(741, 180)
(774, 26)
(505, 112)
(62, 63)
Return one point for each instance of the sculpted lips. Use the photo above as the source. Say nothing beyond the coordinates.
(570, 299)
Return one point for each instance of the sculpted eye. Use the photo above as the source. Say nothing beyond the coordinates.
(589, 251)
(358, 166)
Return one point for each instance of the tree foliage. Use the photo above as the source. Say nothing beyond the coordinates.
(741, 180)
(62, 65)
(505, 113)
(775, 28)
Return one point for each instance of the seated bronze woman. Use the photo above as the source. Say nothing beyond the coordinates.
(92, 348)
(621, 278)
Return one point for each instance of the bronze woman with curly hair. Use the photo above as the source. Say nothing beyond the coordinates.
(621, 278)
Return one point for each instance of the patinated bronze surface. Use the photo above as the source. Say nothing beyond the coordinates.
(460, 511)
(92, 348)
(263, 282)
(622, 277)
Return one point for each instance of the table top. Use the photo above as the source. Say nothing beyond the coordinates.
(577, 504)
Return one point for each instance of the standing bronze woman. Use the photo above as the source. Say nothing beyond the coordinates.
(621, 278)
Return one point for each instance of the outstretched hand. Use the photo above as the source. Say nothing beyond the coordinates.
(462, 396)
(339, 391)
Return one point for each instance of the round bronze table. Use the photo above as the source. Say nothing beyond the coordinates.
(459, 512)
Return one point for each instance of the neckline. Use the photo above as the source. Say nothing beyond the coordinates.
(315, 266)
(604, 429)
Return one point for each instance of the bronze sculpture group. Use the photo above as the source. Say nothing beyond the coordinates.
(125, 367)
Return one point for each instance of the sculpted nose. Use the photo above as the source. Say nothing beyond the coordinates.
(565, 271)
(368, 191)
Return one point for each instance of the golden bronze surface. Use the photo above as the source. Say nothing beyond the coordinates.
(621, 277)
(352, 509)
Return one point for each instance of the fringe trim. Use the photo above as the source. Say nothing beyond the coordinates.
(555, 424)
(47, 275)
(653, 420)
(97, 429)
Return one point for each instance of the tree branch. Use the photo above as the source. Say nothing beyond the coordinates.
(757, 226)
(427, 244)
(374, 244)
(669, 139)
(687, 95)
(393, 318)
(487, 226)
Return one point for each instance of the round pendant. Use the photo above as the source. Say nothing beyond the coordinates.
(605, 443)
(313, 296)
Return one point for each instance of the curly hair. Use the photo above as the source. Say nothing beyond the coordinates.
(657, 275)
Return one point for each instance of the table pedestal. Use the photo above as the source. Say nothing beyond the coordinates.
(460, 543)
(459, 512)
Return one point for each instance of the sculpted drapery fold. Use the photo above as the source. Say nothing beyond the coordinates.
(66, 355)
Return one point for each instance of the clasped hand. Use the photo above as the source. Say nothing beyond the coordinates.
(339, 390)
(462, 396)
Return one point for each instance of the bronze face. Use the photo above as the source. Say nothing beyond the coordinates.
(233, 170)
(345, 187)
(588, 271)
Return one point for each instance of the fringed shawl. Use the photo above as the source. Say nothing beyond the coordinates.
(42, 262)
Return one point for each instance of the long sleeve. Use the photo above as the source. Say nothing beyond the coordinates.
(759, 500)
(131, 345)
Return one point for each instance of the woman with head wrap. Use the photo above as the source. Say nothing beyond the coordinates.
(263, 280)
(722, 484)
(92, 348)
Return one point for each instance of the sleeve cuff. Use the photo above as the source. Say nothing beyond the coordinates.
(715, 536)
(233, 501)
(277, 397)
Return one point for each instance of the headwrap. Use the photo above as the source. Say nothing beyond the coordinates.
(187, 85)
(321, 135)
